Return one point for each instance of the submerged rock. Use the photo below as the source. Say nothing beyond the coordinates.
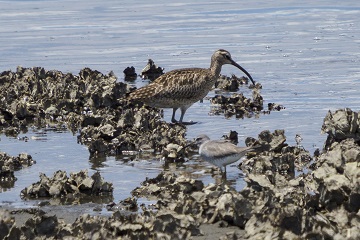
(9, 164)
(274, 106)
(130, 74)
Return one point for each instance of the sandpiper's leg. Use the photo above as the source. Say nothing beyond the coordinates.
(173, 120)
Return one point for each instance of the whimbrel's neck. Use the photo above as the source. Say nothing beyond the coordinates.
(215, 68)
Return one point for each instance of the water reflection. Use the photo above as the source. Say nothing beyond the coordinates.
(6, 185)
(97, 162)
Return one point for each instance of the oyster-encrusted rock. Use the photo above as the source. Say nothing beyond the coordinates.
(61, 186)
(90, 101)
(237, 104)
(10, 164)
(342, 124)
(232, 83)
(275, 159)
(274, 204)
(317, 205)
(151, 71)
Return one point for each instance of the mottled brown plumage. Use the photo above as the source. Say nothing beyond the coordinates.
(183, 87)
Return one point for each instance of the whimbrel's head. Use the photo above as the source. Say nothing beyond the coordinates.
(223, 57)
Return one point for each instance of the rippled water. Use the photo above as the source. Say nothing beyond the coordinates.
(306, 55)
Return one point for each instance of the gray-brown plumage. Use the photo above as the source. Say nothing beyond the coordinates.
(220, 152)
(183, 87)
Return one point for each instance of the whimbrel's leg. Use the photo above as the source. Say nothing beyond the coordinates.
(173, 120)
(183, 110)
(223, 173)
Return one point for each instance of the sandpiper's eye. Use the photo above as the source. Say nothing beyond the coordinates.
(227, 57)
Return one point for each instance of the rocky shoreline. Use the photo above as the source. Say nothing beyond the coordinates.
(290, 193)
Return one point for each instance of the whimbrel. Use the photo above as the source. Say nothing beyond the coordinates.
(182, 87)
(220, 152)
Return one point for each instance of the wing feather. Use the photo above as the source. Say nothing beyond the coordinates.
(175, 84)
(222, 149)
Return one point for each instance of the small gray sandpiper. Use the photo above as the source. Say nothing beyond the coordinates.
(183, 87)
(220, 152)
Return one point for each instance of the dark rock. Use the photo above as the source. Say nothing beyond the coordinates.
(233, 137)
(130, 74)
(151, 71)
(275, 107)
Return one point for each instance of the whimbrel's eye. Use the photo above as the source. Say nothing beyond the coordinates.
(227, 57)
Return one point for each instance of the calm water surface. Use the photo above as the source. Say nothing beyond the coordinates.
(306, 55)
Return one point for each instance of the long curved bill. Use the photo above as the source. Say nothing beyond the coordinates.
(243, 70)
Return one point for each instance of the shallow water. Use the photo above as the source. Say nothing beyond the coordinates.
(306, 55)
